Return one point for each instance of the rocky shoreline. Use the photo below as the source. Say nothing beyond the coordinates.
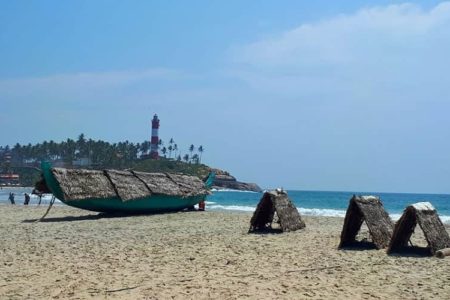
(224, 180)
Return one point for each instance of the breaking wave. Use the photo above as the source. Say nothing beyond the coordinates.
(318, 212)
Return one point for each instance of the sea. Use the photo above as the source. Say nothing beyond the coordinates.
(309, 203)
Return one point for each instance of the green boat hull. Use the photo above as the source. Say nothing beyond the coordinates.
(151, 204)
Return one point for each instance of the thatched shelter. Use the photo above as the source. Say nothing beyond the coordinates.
(127, 185)
(371, 210)
(172, 184)
(424, 214)
(159, 183)
(277, 202)
(189, 185)
(78, 184)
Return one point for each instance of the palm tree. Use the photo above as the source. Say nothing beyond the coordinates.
(195, 158)
(170, 148)
(179, 158)
(164, 151)
(186, 157)
(200, 150)
(191, 148)
(175, 149)
(81, 145)
(69, 150)
(17, 153)
(145, 146)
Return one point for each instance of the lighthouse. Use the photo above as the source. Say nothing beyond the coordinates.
(155, 139)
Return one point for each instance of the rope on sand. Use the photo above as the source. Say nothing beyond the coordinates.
(48, 209)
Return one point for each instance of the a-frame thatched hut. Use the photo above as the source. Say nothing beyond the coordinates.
(371, 210)
(424, 214)
(272, 202)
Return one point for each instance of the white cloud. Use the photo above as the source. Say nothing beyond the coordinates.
(393, 49)
(366, 94)
(337, 40)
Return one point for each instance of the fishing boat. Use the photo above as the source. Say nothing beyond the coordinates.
(123, 191)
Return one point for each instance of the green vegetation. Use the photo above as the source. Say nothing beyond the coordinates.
(28, 176)
(88, 153)
(172, 166)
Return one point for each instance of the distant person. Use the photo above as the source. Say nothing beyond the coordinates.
(11, 198)
(27, 199)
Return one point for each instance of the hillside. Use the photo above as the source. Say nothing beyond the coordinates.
(223, 179)
(172, 166)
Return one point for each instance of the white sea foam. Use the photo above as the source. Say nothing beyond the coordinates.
(231, 190)
(395, 217)
(319, 212)
(231, 207)
(322, 212)
(445, 219)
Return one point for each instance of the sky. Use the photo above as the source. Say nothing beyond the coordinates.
(308, 95)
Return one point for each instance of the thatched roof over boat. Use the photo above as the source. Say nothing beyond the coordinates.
(77, 184)
(127, 185)
(272, 202)
(173, 184)
(424, 214)
(369, 209)
(160, 183)
(189, 185)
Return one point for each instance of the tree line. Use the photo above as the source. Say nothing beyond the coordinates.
(100, 153)
(189, 158)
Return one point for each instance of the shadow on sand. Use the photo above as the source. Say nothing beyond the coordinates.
(412, 251)
(267, 231)
(99, 216)
(360, 246)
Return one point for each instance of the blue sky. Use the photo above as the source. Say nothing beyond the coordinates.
(301, 94)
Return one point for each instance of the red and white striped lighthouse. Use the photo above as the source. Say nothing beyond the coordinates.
(155, 139)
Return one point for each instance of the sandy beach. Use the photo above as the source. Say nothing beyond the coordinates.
(76, 254)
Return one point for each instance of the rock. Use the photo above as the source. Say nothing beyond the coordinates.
(224, 180)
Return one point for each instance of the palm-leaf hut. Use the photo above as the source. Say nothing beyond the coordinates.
(367, 209)
(278, 202)
(424, 214)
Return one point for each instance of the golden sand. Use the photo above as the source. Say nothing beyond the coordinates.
(195, 255)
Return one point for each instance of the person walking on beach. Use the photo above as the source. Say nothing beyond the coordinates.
(11, 198)
(27, 199)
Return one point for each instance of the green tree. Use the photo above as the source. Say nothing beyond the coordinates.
(170, 148)
(145, 147)
(81, 146)
(175, 148)
(200, 150)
